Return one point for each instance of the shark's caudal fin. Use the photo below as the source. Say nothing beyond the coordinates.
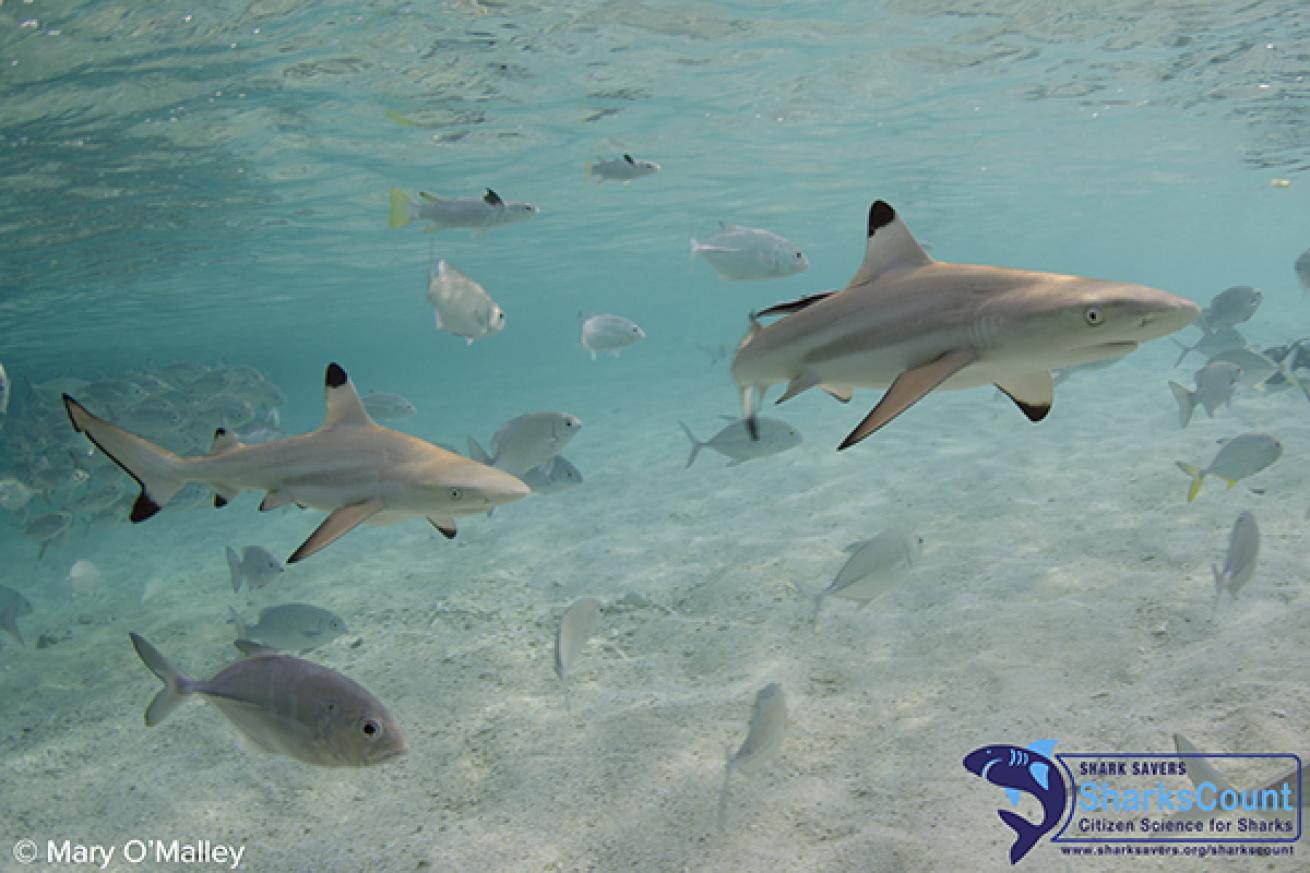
(891, 246)
(400, 209)
(176, 685)
(907, 390)
(696, 445)
(1027, 833)
(158, 471)
(1186, 403)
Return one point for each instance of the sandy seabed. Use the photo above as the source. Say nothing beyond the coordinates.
(1064, 591)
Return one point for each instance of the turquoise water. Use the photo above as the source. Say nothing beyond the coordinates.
(208, 184)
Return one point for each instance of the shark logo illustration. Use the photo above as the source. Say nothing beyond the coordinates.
(1023, 770)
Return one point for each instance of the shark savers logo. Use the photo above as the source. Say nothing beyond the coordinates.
(1027, 771)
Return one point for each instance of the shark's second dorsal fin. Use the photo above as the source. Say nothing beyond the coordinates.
(891, 246)
(344, 408)
(224, 441)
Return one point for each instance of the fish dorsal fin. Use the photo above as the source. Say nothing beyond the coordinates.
(627, 157)
(729, 227)
(491, 198)
(344, 408)
(891, 246)
(431, 198)
(224, 441)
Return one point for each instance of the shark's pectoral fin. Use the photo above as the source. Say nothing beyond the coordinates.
(804, 381)
(1033, 393)
(908, 389)
(344, 408)
(339, 523)
(446, 526)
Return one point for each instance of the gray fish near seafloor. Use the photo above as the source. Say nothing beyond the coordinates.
(49, 529)
(1211, 344)
(1243, 455)
(1302, 270)
(1257, 368)
(749, 253)
(356, 469)
(285, 706)
(4, 390)
(256, 566)
(609, 334)
(910, 324)
(623, 169)
(1239, 563)
(556, 475)
(527, 441)
(1230, 308)
(1214, 388)
(575, 627)
(291, 627)
(874, 567)
(735, 442)
(388, 406)
(763, 738)
(13, 605)
(476, 214)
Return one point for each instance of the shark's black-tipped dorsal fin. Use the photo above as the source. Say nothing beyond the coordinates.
(344, 408)
(491, 198)
(891, 246)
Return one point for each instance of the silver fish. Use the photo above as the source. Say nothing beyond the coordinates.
(293, 627)
(476, 214)
(48, 529)
(256, 566)
(12, 605)
(556, 475)
(575, 628)
(1211, 343)
(609, 333)
(1229, 308)
(734, 440)
(874, 567)
(1242, 456)
(1239, 564)
(1214, 388)
(386, 406)
(4, 391)
(623, 169)
(527, 441)
(461, 306)
(748, 253)
(1302, 270)
(768, 721)
(14, 495)
(285, 706)
(1256, 367)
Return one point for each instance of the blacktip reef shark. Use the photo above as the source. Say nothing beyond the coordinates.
(352, 467)
(911, 324)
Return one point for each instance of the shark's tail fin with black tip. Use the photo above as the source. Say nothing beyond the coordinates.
(158, 471)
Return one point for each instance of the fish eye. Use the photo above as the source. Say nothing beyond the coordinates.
(1093, 316)
(455, 494)
(799, 256)
(371, 728)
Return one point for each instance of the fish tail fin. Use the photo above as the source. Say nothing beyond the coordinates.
(696, 445)
(234, 568)
(695, 247)
(1186, 402)
(1028, 834)
(1198, 476)
(400, 209)
(1285, 370)
(1218, 581)
(477, 454)
(722, 817)
(1182, 354)
(159, 472)
(240, 625)
(816, 600)
(176, 684)
(9, 621)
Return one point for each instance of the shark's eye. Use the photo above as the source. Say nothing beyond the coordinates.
(1093, 316)
(455, 494)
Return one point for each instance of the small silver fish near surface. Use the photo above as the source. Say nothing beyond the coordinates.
(609, 334)
(292, 627)
(763, 738)
(1214, 388)
(388, 406)
(256, 566)
(734, 440)
(461, 306)
(1243, 455)
(748, 253)
(623, 169)
(476, 214)
(1239, 563)
(285, 706)
(575, 627)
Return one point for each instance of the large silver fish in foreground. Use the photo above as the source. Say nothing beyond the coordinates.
(915, 324)
(355, 469)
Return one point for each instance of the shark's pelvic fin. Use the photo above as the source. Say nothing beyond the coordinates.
(804, 381)
(844, 393)
(908, 389)
(891, 246)
(1033, 393)
(344, 408)
(339, 523)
